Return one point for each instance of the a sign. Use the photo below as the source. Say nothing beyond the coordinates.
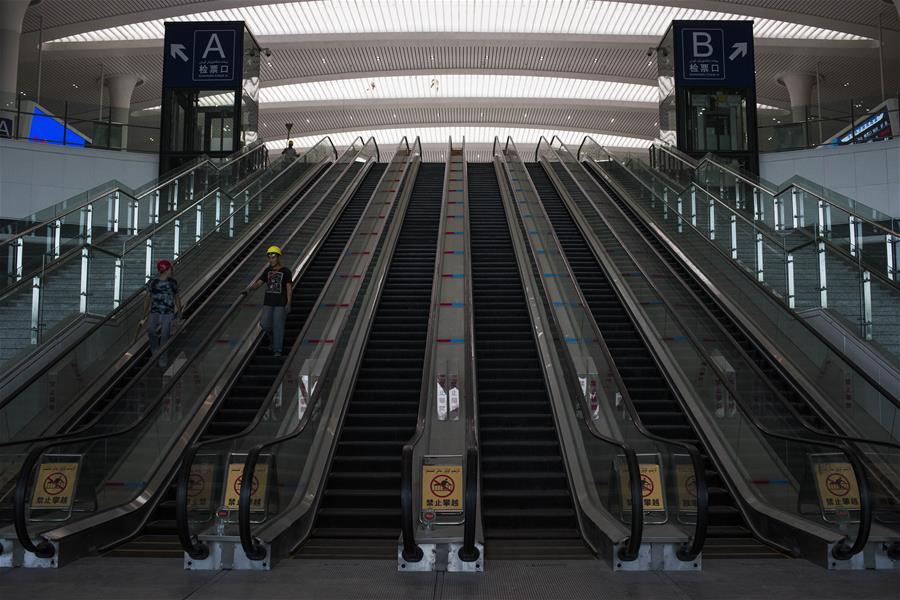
(54, 486)
(235, 481)
(6, 127)
(837, 487)
(442, 488)
(714, 53)
(651, 487)
(687, 487)
(206, 55)
(199, 488)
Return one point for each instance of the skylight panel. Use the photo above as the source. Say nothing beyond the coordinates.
(563, 17)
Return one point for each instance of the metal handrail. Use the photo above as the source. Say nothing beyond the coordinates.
(411, 551)
(713, 160)
(45, 549)
(877, 386)
(138, 196)
(840, 551)
(631, 551)
(188, 543)
(123, 305)
(251, 546)
(121, 393)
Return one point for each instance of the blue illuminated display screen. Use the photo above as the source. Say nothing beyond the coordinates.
(46, 128)
(876, 127)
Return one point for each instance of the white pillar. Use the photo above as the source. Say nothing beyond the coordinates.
(12, 13)
(799, 86)
(121, 87)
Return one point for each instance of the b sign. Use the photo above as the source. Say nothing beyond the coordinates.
(714, 53)
(206, 55)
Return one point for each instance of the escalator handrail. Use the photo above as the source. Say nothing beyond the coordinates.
(469, 551)
(877, 386)
(769, 384)
(188, 543)
(124, 304)
(840, 551)
(44, 549)
(251, 545)
(631, 551)
(411, 551)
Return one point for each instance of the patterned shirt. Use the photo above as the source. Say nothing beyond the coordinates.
(162, 295)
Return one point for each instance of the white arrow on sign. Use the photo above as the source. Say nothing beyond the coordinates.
(740, 49)
(177, 51)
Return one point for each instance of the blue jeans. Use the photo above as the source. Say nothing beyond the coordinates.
(272, 322)
(160, 330)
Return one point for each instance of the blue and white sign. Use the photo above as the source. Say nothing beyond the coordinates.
(714, 53)
(6, 127)
(205, 55)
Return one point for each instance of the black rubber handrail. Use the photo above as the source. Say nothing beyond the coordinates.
(252, 547)
(411, 551)
(840, 551)
(631, 551)
(191, 545)
(124, 305)
(827, 343)
(45, 549)
(835, 433)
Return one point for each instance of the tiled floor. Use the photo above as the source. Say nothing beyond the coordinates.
(158, 579)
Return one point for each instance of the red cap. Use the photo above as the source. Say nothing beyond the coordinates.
(163, 266)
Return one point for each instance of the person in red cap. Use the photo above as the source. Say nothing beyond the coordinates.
(162, 305)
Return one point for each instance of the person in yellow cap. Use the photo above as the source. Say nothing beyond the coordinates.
(277, 301)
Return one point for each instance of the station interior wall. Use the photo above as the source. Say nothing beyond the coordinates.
(34, 176)
(868, 173)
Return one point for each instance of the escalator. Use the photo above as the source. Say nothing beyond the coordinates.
(359, 514)
(527, 505)
(659, 409)
(250, 387)
(750, 348)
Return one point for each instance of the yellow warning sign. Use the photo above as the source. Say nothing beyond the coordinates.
(651, 487)
(442, 488)
(199, 487)
(837, 486)
(54, 485)
(234, 483)
(687, 487)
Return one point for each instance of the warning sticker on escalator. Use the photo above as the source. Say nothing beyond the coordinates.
(651, 487)
(199, 489)
(257, 486)
(837, 486)
(54, 485)
(442, 488)
(687, 487)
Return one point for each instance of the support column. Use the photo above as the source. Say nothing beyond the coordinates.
(799, 86)
(12, 13)
(121, 87)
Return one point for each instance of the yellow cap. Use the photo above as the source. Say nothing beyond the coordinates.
(274, 250)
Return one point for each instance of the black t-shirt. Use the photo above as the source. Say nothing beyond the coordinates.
(276, 285)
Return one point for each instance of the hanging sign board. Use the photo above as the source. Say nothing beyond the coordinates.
(208, 55)
(714, 53)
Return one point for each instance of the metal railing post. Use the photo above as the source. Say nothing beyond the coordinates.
(790, 281)
(19, 250)
(57, 227)
(83, 292)
(89, 224)
(218, 219)
(117, 284)
(760, 276)
(231, 219)
(176, 242)
(36, 310)
(148, 260)
(174, 200)
(852, 225)
(734, 246)
(867, 305)
(823, 279)
(199, 226)
(795, 207)
(712, 219)
(891, 267)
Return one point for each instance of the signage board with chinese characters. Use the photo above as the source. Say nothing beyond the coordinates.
(714, 53)
(836, 487)
(55, 484)
(206, 55)
(442, 488)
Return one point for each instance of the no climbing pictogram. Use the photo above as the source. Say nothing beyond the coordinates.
(442, 486)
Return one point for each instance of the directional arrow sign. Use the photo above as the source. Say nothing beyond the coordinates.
(740, 49)
(177, 51)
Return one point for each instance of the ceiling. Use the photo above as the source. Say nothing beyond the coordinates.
(572, 66)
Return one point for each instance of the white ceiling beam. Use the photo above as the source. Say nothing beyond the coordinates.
(465, 102)
(711, 5)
